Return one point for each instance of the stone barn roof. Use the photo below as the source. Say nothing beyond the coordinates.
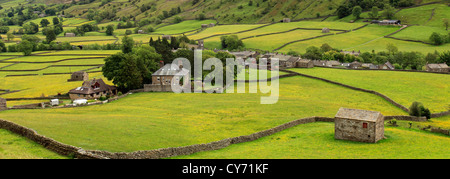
(169, 70)
(357, 114)
(437, 66)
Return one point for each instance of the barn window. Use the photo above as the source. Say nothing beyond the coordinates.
(365, 125)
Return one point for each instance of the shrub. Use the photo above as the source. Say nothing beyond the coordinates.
(417, 109)
(102, 98)
(437, 39)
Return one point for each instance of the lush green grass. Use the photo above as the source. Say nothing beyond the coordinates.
(316, 141)
(342, 41)
(222, 29)
(13, 146)
(421, 33)
(432, 90)
(182, 27)
(380, 45)
(146, 121)
(84, 38)
(421, 15)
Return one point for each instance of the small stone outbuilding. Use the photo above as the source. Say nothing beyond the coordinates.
(286, 20)
(359, 125)
(326, 30)
(204, 26)
(442, 68)
(3, 104)
(79, 76)
(70, 35)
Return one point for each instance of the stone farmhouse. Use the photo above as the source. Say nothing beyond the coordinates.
(303, 63)
(3, 104)
(442, 68)
(322, 63)
(387, 66)
(163, 79)
(359, 125)
(93, 89)
(79, 76)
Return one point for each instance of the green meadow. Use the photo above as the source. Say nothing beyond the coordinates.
(316, 141)
(432, 90)
(147, 121)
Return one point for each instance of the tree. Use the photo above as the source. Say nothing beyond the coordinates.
(26, 47)
(313, 53)
(44, 22)
(325, 47)
(343, 11)
(231, 42)
(374, 13)
(50, 35)
(10, 36)
(357, 10)
(391, 48)
(436, 39)
(109, 30)
(389, 11)
(55, 21)
(127, 44)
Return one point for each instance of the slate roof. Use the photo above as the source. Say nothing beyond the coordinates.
(169, 70)
(437, 66)
(93, 86)
(389, 65)
(357, 114)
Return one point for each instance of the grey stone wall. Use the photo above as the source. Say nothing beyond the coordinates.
(406, 118)
(3, 104)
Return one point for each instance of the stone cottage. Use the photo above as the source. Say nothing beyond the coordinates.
(303, 63)
(442, 68)
(93, 89)
(163, 79)
(387, 66)
(359, 125)
(79, 76)
(3, 104)
(141, 32)
(355, 65)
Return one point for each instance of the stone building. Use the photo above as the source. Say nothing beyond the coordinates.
(303, 63)
(3, 104)
(168, 37)
(211, 25)
(204, 26)
(359, 125)
(70, 35)
(292, 62)
(438, 68)
(163, 79)
(387, 22)
(93, 89)
(79, 76)
(326, 30)
(387, 66)
(141, 32)
(355, 65)
(286, 20)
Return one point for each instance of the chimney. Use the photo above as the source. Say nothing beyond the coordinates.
(161, 64)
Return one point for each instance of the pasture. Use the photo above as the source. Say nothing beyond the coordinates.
(156, 120)
(432, 90)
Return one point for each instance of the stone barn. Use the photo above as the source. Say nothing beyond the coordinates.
(3, 104)
(211, 25)
(438, 68)
(303, 63)
(70, 35)
(359, 125)
(79, 76)
(326, 30)
(141, 32)
(204, 26)
(168, 37)
(286, 20)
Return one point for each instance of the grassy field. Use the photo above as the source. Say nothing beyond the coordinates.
(222, 29)
(341, 41)
(316, 140)
(182, 27)
(421, 33)
(155, 120)
(13, 146)
(404, 87)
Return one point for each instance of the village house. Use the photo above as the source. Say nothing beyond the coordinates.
(245, 54)
(292, 62)
(334, 63)
(387, 66)
(282, 59)
(163, 79)
(442, 68)
(322, 63)
(79, 76)
(355, 65)
(93, 89)
(351, 53)
(3, 104)
(303, 63)
(359, 125)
